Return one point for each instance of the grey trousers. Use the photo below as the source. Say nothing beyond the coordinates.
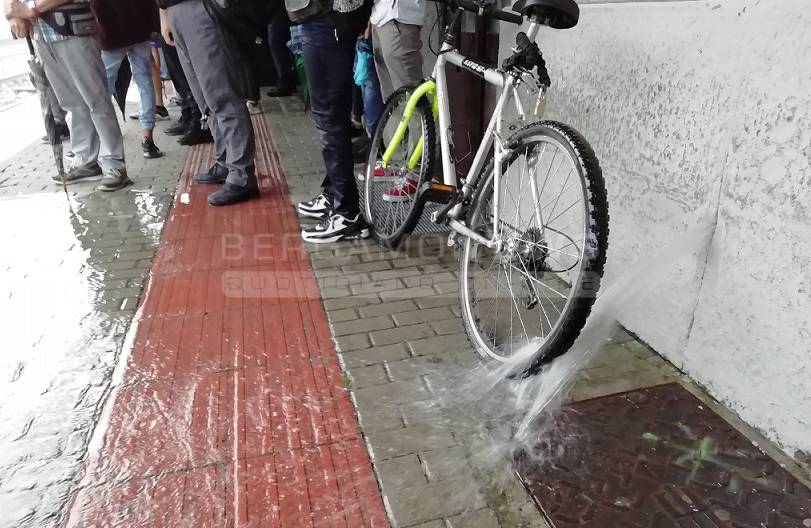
(76, 74)
(213, 68)
(398, 55)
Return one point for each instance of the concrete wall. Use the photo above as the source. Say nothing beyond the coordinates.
(701, 109)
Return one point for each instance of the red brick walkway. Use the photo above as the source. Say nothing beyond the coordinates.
(231, 410)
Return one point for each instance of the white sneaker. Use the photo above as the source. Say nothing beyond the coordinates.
(318, 207)
(337, 227)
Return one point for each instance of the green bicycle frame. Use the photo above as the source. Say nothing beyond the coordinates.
(426, 88)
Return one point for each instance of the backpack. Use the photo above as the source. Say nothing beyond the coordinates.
(302, 10)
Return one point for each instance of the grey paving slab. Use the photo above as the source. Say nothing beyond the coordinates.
(401, 472)
(376, 355)
(413, 439)
(446, 499)
(478, 519)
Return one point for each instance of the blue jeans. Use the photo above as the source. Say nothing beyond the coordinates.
(329, 64)
(372, 100)
(140, 58)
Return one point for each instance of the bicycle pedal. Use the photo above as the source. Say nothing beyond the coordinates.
(437, 192)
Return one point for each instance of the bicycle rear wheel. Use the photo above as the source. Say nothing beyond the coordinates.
(390, 199)
(525, 302)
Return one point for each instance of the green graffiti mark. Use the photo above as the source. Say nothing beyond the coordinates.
(650, 437)
(705, 451)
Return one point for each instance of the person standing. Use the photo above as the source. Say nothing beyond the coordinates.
(328, 39)
(278, 36)
(125, 28)
(396, 38)
(73, 66)
(189, 126)
(212, 65)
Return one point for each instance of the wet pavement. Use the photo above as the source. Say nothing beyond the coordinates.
(261, 382)
(71, 273)
(231, 409)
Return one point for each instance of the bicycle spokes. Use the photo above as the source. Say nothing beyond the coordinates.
(520, 288)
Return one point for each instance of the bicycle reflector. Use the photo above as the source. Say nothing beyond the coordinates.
(540, 102)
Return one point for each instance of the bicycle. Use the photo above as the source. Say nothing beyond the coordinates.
(520, 250)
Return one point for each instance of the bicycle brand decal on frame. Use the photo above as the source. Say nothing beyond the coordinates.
(474, 66)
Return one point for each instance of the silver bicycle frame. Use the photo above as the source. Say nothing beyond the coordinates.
(507, 83)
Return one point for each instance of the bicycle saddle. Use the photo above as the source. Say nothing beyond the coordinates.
(557, 14)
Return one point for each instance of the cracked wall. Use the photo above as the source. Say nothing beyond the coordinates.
(696, 110)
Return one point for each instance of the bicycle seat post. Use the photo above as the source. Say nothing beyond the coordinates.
(534, 27)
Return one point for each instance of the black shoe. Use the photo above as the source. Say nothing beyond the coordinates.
(318, 207)
(337, 227)
(161, 112)
(357, 129)
(62, 132)
(151, 151)
(230, 194)
(114, 180)
(180, 128)
(361, 146)
(280, 91)
(91, 170)
(213, 176)
(196, 136)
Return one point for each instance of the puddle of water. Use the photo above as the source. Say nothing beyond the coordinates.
(62, 331)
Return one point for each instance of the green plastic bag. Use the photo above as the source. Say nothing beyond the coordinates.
(304, 90)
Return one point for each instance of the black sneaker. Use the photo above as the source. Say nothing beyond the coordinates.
(180, 128)
(151, 151)
(114, 180)
(280, 91)
(361, 146)
(230, 194)
(161, 112)
(196, 136)
(336, 227)
(318, 207)
(91, 170)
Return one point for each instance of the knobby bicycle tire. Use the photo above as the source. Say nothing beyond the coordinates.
(594, 253)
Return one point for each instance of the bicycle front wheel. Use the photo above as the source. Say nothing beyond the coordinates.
(390, 197)
(525, 301)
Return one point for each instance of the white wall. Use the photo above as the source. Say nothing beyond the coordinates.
(695, 109)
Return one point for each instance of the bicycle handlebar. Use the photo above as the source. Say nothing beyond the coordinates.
(488, 10)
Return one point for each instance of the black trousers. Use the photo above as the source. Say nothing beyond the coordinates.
(278, 35)
(188, 106)
(329, 63)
